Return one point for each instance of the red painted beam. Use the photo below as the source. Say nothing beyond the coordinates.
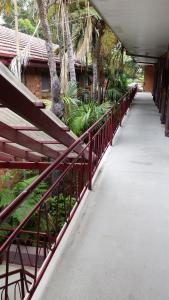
(6, 157)
(20, 138)
(18, 152)
(35, 165)
(39, 104)
(23, 127)
(22, 105)
(24, 165)
(29, 127)
(49, 142)
(3, 140)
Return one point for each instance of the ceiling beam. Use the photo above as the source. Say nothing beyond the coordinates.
(18, 152)
(6, 157)
(22, 105)
(24, 165)
(35, 165)
(20, 138)
(25, 127)
(3, 140)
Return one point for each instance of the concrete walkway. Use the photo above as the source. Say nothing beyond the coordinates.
(118, 246)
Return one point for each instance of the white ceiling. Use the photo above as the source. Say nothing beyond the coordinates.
(141, 25)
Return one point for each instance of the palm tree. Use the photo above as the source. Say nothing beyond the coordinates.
(69, 45)
(57, 104)
(98, 31)
(59, 19)
(97, 39)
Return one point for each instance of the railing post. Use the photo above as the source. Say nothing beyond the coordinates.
(79, 182)
(121, 113)
(7, 273)
(90, 162)
(126, 106)
(22, 284)
(111, 128)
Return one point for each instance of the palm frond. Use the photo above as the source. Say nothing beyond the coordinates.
(85, 115)
(85, 45)
(71, 89)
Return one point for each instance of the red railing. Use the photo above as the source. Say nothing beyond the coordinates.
(54, 209)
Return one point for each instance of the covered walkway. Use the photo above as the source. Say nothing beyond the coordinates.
(117, 247)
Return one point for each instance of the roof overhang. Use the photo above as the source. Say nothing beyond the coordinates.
(141, 26)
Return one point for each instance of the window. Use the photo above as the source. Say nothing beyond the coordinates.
(45, 82)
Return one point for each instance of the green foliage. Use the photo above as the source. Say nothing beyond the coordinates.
(84, 11)
(26, 26)
(113, 94)
(59, 208)
(85, 115)
(108, 41)
(48, 103)
(27, 15)
(9, 194)
(132, 70)
(117, 87)
(71, 90)
(79, 115)
(70, 99)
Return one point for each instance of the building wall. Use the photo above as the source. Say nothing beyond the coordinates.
(32, 79)
(148, 78)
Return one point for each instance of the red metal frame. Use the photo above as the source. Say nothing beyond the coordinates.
(30, 112)
(27, 165)
(8, 132)
(18, 152)
(56, 207)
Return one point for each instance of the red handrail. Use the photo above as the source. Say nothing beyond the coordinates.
(18, 200)
(99, 137)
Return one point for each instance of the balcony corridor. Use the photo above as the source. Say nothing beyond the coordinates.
(117, 247)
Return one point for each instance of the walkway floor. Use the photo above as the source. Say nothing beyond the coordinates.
(118, 248)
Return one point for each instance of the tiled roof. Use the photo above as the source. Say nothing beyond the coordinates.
(8, 45)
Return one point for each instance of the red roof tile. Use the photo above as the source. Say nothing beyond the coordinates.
(8, 45)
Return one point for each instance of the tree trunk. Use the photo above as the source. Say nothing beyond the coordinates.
(57, 106)
(101, 26)
(95, 65)
(15, 65)
(97, 62)
(69, 46)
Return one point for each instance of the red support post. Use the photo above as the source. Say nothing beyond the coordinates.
(90, 162)
(111, 128)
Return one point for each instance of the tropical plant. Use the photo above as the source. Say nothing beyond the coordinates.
(85, 115)
(56, 206)
(70, 99)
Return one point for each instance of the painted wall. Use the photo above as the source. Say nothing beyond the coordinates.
(148, 78)
(33, 80)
